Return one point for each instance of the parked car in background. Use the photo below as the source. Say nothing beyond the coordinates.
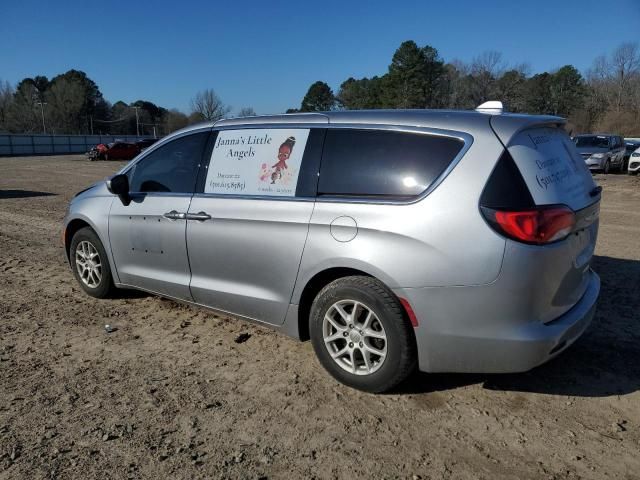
(146, 143)
(395, 240)
(634, 162)
(631, 145)
(114, 151)
(601, 152)
(96, 152)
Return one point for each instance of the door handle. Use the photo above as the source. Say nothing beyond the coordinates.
(200, 216)
(173, 215)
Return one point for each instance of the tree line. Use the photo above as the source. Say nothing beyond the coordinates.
(71, 103)
(605, 98)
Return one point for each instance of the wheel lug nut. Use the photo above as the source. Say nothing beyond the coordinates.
(360, 344)
(345, 334)
(350, 326)
(350, 344)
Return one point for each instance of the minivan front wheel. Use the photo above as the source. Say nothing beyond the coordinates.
(360, 335)
(90, 264)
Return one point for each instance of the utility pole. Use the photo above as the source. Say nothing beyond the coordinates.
(42, 104)
(137, 122)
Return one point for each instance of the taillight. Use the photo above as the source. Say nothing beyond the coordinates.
(538, 226)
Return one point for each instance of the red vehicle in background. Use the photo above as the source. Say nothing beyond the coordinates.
(114, 151)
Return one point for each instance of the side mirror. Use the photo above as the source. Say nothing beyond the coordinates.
(119, 185)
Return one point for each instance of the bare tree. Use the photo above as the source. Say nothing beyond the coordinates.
(488, 62)
(635, 101)
(625, 66)
(6, 97)
(523, 69)
(486, 68)
(175, 120)
(456, 86)
(247, 112)
(614, 91)
(208, 106)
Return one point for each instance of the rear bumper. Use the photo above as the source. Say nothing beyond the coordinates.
(516, 346)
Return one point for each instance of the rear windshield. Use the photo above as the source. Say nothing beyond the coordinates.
(383, 163)
(552, 167)
(592, 141)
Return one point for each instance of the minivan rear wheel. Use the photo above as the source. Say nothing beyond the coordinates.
(90, 264)
(360, 335)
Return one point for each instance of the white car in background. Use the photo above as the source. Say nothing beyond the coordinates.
(634, 162)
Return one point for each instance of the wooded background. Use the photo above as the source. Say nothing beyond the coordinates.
(604, 98)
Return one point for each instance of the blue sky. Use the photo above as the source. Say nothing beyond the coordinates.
(265, 54)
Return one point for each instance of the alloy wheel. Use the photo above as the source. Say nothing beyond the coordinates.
(88, 264)
(354, 337)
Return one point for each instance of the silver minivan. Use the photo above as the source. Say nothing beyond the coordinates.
(602, 152)
(444, 241)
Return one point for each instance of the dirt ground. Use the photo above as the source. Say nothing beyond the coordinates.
(170, 394)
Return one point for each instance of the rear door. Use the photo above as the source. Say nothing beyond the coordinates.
(248, 223)
(148, 236)
(556, 175)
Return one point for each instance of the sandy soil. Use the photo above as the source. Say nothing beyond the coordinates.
(170, 394)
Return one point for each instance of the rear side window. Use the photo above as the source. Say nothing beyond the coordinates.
(271, 162)
(383, 163)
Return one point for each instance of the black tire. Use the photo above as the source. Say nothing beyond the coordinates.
(105, 287)
(401, 358)
(607, 167)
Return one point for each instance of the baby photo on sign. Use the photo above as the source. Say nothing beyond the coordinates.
(279, 173)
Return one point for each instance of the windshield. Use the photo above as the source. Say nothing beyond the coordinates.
(632, 146)
(592, 141)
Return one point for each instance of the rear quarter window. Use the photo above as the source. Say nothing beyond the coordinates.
(377, 163)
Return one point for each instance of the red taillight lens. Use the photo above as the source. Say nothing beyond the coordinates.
(542, 225)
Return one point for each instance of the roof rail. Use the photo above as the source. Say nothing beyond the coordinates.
(494, 107)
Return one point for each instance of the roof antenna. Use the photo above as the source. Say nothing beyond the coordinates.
(493, 107)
